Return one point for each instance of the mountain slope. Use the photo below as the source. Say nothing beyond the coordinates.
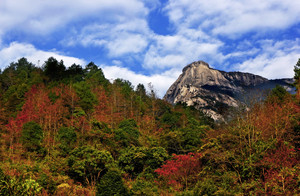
(214, 91)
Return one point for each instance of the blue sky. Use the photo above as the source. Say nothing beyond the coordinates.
(147, 41)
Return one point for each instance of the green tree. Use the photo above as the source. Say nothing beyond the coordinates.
(15, 81)
(95, 76)
(111, 184)
(87, 98)
(192, 135)
(14, 96)
(278, 94)
(75, 73)
(126, 86)
(205, 187)
(91, 68)
(172, 141)
(17, 72)
(135, 160)
(170, 120)
(145, 187)
(127, 133)
(87, 164)
(141, 90)
(67, 138)
(32, 136)
(24, 64)
(54, 70)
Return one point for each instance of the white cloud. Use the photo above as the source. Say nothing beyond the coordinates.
(277, 59)
(44, 17)
(127, 44)
(277, 67)
(16, 50)
(118, 38)
(178, 50)
(119, 26)
(233, 17)
(161, 82)
(242, 53)
(152, 4)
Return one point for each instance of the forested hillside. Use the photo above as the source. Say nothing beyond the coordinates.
(70, 131)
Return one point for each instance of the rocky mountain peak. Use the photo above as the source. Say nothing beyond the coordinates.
(199, 73)
(196, 64)
(209, 89)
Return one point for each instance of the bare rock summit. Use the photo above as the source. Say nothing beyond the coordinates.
(213, 91)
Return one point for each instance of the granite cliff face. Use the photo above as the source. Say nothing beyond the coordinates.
(214, 91)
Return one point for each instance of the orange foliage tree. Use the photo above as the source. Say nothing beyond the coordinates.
(102, 111)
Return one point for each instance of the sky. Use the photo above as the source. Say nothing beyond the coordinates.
(147, 41)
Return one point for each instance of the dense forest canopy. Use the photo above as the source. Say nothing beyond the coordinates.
(70, 131)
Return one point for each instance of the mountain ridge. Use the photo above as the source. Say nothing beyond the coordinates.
(208, 89)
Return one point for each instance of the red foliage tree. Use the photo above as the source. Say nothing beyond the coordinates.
(280, 174)
(39, 108)
(180, 170)
(27, 114)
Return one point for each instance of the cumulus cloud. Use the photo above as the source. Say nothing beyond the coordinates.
(229, 17)
(44, 17)
(276, 61)
(127, 44)
(157, 52)
(161, 82)
(118, 38)
(178, 50)
(16, 50)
